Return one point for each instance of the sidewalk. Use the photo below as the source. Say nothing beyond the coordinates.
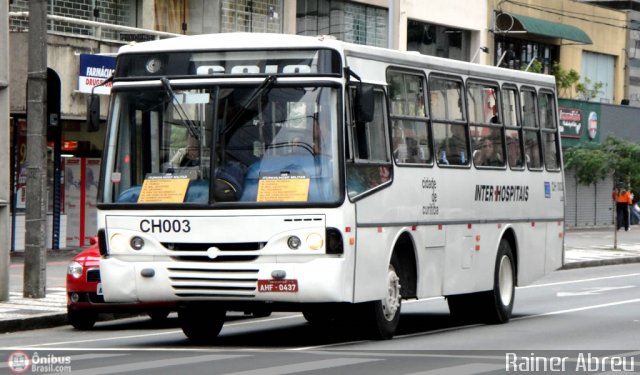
(583, 248)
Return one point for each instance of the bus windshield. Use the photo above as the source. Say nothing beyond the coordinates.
(252, 144)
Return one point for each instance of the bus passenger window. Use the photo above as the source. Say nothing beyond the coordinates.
(410, 137)
(372, 165)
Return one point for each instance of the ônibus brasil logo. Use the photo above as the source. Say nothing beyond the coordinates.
(19, 362)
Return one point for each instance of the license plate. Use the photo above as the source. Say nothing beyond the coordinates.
(277, 286)
(99, 289)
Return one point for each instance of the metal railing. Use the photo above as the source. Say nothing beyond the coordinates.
(100, 31)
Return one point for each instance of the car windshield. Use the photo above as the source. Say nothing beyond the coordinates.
(267, 143)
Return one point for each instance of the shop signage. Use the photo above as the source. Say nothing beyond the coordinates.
(94, 69)
(570, 122)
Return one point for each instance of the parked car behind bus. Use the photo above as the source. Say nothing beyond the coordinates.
(84, 293)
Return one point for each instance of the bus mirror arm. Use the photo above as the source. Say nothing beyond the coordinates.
(93, 108)
(365, 98)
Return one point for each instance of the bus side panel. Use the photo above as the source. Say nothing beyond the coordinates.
(430, 258)
(555, 233)
(372, 258)
(531, 254)
(470, 257)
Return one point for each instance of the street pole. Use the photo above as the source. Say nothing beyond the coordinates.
(35, 252)
(4, 151)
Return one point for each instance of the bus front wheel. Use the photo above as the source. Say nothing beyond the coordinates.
(383, 316)
(201, 323)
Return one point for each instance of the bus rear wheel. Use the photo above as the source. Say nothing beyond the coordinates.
(382, 317)
(201, 323)
(499, 301)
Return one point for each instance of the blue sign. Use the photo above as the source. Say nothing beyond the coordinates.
(547, 189)
(95, 69)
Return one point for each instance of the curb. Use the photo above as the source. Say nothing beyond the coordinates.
(600, 262)
(34, 322)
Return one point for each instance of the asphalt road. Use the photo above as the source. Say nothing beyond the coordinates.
(581, 315)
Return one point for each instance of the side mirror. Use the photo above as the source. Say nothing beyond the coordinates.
(93, 113)
(365, 103)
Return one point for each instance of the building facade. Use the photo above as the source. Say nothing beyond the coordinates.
(513, 34)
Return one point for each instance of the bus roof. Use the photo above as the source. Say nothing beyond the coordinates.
(268, 41)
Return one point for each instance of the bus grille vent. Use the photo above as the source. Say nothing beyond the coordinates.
(211, 283)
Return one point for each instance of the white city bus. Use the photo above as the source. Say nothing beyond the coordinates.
(324, 177)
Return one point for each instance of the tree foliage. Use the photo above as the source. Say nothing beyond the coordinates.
(568, 81)
(593, 162)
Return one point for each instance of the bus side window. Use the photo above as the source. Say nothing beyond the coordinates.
(450, 132)
(531, 128)
(548, 127)
(371, 165)
(411, 141)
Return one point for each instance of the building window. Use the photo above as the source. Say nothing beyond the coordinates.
(347, 21)
(435, 40)
(257, 16)
(514, 53)
(598, 68)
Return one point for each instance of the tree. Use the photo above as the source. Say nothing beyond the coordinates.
(568, 81)
(593, 162)
(565, 79)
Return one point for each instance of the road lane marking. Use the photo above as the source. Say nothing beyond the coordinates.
(154, 364)
(593, 291)
(558, 312)
(468, 369)
(579, 281)
(306, 366)
(232, 324)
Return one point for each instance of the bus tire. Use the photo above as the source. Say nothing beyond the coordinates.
(158, 315)
(82, 320)
(382, 317)
(499, 301)
(201, 323)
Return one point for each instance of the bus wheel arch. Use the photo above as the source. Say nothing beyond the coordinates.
(405, 256)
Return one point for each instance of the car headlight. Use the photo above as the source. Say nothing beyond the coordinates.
(74, 269)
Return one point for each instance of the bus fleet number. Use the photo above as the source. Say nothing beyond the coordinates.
(165, 226)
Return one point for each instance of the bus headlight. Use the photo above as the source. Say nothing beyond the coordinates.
(74, 269)
(118, 242)
(315, 241)
(294, 242)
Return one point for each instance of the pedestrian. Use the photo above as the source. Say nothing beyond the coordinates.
(623, 199)
(635, 213)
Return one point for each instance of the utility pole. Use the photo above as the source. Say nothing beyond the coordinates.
(35, 253)
(4, 151)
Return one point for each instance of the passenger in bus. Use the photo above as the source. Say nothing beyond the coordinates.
(486, 154)
(513, 153)
(187, 156)
(453, 149)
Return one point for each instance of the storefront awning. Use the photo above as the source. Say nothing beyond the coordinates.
(516, 23)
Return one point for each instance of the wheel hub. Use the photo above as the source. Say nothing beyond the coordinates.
(391, 302)
(505, 280)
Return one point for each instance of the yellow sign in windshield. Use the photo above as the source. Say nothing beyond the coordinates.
(164, 189)
(283, 189)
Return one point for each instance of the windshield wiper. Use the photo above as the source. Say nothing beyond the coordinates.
(191, 127)
(258, 92)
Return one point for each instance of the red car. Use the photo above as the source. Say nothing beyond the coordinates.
(84, 293)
